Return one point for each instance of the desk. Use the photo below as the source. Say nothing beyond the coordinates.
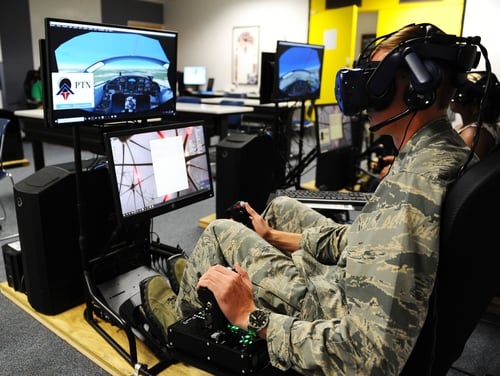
(91, 136)
(215, 113)
(208, 94)
(37, 132)
(222, 93)
(252, 102)
(275, 116)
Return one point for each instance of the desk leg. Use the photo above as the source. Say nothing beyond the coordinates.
(38, 156)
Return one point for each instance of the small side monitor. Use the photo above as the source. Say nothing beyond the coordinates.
(334, 130)
(340, 140)
(157, 169)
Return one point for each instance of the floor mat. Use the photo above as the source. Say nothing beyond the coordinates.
(72, 327)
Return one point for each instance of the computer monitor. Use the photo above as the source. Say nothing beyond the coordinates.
(267, 67)
(195, 75)
(96, 73)
(334, 130)
(298, 71)
(158, 168)
(339, 147)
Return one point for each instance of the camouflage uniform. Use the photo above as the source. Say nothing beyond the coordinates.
(353, 298)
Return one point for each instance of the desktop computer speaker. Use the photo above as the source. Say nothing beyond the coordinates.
(246, 169)
(49, 232)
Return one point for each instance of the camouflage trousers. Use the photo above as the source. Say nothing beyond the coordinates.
(226, 242)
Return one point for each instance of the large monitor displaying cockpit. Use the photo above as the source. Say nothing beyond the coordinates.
(297, 72)
(97, 74)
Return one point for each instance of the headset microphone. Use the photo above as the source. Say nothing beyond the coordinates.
(382, 124)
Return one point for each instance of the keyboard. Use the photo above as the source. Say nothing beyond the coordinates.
(336, 200)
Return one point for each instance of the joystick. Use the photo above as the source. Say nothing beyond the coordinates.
(214, 318)
(209, 337)
(238, 213)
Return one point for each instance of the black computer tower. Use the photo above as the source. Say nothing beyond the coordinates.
(247, 169)
(48, 225)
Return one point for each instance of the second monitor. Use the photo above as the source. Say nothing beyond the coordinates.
(339, 146)
(157, 169)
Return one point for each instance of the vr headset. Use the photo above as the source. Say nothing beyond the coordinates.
(370, 85)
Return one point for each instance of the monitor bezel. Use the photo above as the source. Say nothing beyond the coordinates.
(282, 46)
(54, 118)
(140, 217)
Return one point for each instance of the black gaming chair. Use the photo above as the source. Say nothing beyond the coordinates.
(468, 274)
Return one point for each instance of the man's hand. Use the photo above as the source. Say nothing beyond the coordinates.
(285, 241)
(233, 292)
(387, 162)
(259, 224)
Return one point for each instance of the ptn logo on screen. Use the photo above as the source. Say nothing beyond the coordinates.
(73, 90)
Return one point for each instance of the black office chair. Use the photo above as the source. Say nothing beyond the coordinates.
(188, 99)
(5, 120)
(31, 77)
(234, 121)
(468, 276)
(3, 173)
(12, 149)
(232, 94)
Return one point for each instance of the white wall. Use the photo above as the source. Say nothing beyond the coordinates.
(205, 27)
(481, 18)
(84, 10)
(205, 30)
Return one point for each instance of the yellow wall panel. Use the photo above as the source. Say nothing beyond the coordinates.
(446, 14)
(448, 18)
(335, 29)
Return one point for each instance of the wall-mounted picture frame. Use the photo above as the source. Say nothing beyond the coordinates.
(245, 55)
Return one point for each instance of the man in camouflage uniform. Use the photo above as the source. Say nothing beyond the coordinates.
(343, 299)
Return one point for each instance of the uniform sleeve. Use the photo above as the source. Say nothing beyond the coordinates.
(391, 263)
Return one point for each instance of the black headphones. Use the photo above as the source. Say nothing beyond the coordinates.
(474, 90)
(371, 84)
(482, 89)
